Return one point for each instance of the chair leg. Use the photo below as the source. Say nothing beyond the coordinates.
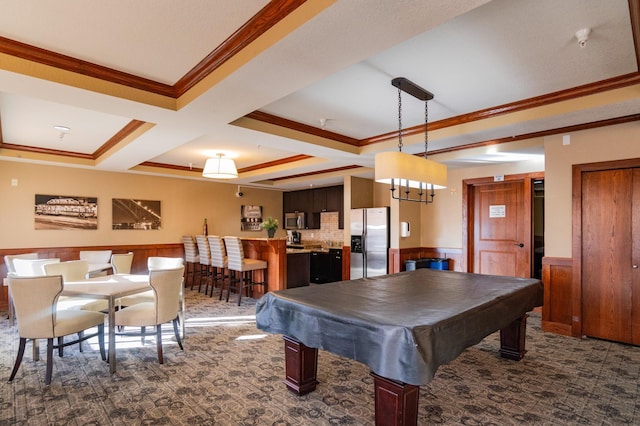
(142, 331)
(60, 345)
(80, 336)
(21, 346)
(243, 278)
(159, 343)
(47, 378)
(175, 330)
(101, 341)
(222, 284)
(193, 275)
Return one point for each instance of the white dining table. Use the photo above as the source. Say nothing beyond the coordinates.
(111, 288)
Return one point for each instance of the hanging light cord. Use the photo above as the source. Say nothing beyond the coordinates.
(399, 120)
(426, 129)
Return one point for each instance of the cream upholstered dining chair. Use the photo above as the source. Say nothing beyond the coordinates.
(153, 263)
(99, 260)
(72, 270)
(157, 262)
(166, 285)
(32, 267)
(205, 262)
(11, 272)
(35, 302)
(8, 261)
(121, 263)
(219, 262)
(191, 259)
(243, 268)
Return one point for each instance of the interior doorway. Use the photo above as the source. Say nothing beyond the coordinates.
(503, 233)
(606, 229)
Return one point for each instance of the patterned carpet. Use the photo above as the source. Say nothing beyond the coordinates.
(230, 373)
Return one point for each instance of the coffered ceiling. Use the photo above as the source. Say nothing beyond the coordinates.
(299, 92)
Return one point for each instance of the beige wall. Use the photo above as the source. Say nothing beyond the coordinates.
(442, 220)
(185, 204)
(588, 146)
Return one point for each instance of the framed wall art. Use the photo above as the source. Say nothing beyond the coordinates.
(128, 213)
(250, 218)
(66, 212)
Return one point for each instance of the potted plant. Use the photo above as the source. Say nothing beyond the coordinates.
(270, 224)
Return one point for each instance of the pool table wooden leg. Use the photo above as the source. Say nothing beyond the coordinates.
(301, 365)
(512, 339)
(396, 402)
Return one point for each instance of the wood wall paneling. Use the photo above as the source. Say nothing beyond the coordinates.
(139, 266)
(397, 257)
(557, 311)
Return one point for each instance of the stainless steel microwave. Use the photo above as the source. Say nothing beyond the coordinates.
(294, 220)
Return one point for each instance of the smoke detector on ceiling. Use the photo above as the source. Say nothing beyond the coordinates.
(583, 36)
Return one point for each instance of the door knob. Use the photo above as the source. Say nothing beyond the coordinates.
(519, 244)
(635, 266)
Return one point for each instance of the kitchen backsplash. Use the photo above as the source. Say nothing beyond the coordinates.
(329, 234)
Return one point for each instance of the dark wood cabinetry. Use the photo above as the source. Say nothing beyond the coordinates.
(298, 269)
(315, 201)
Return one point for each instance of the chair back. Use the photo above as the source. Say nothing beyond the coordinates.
(190, 249)
(156, 262)
(73, 270)
(34, 301)
(166, 284)
(218, 251)
(235, 253)
(121, 263)
(203, 249)
(8, 260)
(32, 267)
(95, 256)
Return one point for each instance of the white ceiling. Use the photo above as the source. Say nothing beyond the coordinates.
(336, 66)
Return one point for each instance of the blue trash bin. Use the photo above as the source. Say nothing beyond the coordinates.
(440, 263)
(410, 265)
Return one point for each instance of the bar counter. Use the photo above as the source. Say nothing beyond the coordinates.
(274, 252)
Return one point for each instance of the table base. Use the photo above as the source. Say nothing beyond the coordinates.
(396, 403)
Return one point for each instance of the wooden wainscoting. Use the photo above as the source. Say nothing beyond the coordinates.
(397, 257)
(140, 255)
(557, 311)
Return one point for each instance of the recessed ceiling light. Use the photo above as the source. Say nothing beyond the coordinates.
(63, 129)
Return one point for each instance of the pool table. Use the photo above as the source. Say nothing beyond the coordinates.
(402, 326)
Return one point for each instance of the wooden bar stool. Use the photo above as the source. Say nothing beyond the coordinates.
(191, 259)
(205, 262)
(242, 268)
(219, 262)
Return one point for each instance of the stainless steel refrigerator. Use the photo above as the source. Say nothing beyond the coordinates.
(369, 242)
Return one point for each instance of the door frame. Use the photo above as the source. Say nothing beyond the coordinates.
(576, 241)
(468, 242)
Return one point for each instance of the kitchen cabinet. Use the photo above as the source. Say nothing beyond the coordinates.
(298, 265)
(296, 201)
(319, 200)
(326, 199)
(335, 202)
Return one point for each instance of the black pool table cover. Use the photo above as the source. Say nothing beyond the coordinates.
(402, 326)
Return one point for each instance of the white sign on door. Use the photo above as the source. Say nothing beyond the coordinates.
(498, 211)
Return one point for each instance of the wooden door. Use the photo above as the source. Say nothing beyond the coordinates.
(610, 308)
(501, 229)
